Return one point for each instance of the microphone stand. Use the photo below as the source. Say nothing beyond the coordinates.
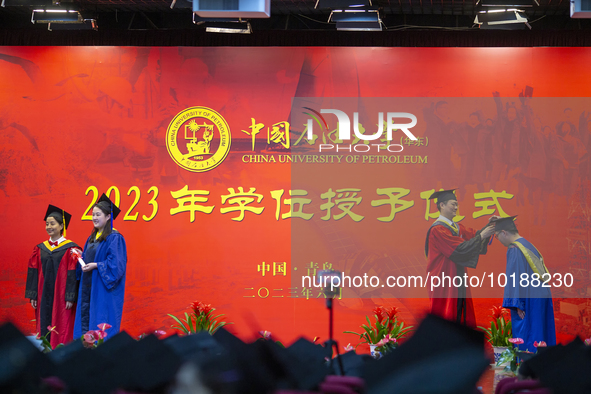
(331, 342)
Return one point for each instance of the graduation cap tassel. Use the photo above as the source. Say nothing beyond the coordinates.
(111, 216)
(64, 221)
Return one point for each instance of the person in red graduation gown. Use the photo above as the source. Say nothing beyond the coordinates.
(51, 280)
(451, 248)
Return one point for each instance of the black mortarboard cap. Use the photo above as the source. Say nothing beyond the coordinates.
(456, 372)
(21, 363)
(196, 347)
(353, 363)
(106, 203)
(113, 375)
(560, 367)
(64, 353)
(306, 363)
(52, 209)
(444, 195)
(116, 345)
(452, 354)
(146, 365)
(507, 224)
(264, 366)
(84, 372)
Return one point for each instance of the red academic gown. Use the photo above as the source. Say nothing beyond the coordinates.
(448, 253)
(51, 280)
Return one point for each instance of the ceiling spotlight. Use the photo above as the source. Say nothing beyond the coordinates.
(356, 20)
(56, 15)
(223, 25)
(333, 4)
(507, 3)
(87, 24)
(580, 9)
(232, 8)
(33, 3)
(507, 19)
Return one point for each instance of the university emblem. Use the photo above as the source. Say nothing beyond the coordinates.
(198, 139)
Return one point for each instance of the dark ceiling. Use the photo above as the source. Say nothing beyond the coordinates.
(298, 15)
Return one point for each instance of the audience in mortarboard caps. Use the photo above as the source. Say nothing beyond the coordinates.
(441, 357)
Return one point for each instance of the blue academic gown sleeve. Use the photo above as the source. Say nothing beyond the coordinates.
(536, 301)
(107, 291)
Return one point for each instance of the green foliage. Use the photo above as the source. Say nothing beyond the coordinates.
(200, 319)
(499, 332)
(372, 334)
(510, 356)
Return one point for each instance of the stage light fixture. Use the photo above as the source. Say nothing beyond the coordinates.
(339, 4)
(181, 4)
(232, 8)
(356, 20)
(580, 8)
(223, 25)
(505, 19)
(507, 3)
(87, 24)
(56, 15)
(33, 3)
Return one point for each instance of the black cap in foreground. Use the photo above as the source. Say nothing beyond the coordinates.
(440, 357)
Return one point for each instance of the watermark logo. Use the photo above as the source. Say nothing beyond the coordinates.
(391, 123)
(198, 139)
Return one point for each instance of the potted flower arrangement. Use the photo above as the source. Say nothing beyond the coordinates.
(93, 338)
(201, 319)
(383, 335)
(499, 333)
(45, 341)
(510, 356)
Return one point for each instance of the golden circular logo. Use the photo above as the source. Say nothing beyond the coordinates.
(198, 139)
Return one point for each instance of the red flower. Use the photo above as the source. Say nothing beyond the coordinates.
(588, 341)
(391, 316)
(100, 334)
(206, 308)
(201, 308)
(52, 329)
(498, 311)
(379, 312)
(159, 333)
(265, 334)
(89, 338)
(392, 312)
(540, 344)
(516, 341)
(104, 326)
(196, 306)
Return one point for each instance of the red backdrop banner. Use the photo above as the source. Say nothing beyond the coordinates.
(205, 151)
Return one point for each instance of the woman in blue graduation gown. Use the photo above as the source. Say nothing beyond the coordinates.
(102, 280)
